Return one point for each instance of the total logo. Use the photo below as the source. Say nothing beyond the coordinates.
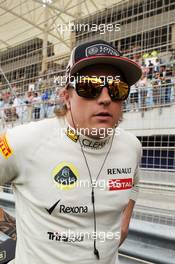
(62, 209)
(120, 184)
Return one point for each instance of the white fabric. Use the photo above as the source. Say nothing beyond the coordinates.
(38, 150)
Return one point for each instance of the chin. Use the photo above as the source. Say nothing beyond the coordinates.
(102, 130)
(104, 125)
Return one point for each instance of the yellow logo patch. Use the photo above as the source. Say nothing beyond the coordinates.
(72, 135)
(4, 147)
(65, 175)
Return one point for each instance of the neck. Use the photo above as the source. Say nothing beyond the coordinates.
(91, 133)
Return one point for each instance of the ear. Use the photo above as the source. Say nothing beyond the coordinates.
(66, 94)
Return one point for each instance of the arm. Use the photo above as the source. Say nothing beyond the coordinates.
(15, 145)
(126, 217)
(127, 212)
(7, 162)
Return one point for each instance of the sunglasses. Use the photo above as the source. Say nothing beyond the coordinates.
(92, 87)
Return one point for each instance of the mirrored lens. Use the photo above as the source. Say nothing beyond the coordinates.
(88, 89)
(118, 90)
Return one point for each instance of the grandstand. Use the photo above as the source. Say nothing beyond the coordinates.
(35, 44)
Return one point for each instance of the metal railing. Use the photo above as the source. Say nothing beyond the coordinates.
(142, 99)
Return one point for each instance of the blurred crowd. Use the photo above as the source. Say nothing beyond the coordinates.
(30, 106)
(155, 88)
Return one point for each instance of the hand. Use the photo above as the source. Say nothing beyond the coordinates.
(126, 217)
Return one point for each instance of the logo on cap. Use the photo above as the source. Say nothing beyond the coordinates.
(93, 51)
(100, 49)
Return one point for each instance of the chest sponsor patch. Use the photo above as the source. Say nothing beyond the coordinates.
(5, 149)
(65, 175)
(120, 184)
(72, 134)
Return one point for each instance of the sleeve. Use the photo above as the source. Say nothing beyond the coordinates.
(17, 145)
(135, 188)
(8, 169)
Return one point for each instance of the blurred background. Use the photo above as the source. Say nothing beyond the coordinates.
(36, 38)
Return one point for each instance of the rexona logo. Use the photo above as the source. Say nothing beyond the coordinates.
(120, 184)
(65, 175)
(62, 209)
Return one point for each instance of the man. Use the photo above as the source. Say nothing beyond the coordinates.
(75, 177)
(1, 106)
(19, 107)
(151, 69)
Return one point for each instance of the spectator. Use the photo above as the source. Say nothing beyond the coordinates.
(157, 65)
(1, 106)
(36, 106)
(145, 69)
(45, 98)
(59, 99)
(28, 101)
(142, 86)
(166, 90)
(156, 84)
(149, 95)
(151, 69)
(134, 96)
(18, 104)
(55, 102)
(9, 112)
(163, 71)
(38, 83)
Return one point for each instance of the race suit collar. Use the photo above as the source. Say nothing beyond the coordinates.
(95, 144)
(86, 141)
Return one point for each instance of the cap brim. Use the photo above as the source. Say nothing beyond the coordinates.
(130, 70)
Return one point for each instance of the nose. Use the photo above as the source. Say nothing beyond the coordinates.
(104, 97)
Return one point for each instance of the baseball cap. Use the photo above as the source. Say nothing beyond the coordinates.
(100, 51)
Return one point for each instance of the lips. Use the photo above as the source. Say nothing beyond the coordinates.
(103, 114)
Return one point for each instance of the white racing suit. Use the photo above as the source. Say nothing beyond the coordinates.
(51, 183)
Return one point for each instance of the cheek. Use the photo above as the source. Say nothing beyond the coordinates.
(117, 107)
(117, 111)
(82, 104)
(79, 106)
(75, 101)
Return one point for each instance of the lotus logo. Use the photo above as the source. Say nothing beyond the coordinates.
(65, 175)
(92, 51)
(65, 172)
